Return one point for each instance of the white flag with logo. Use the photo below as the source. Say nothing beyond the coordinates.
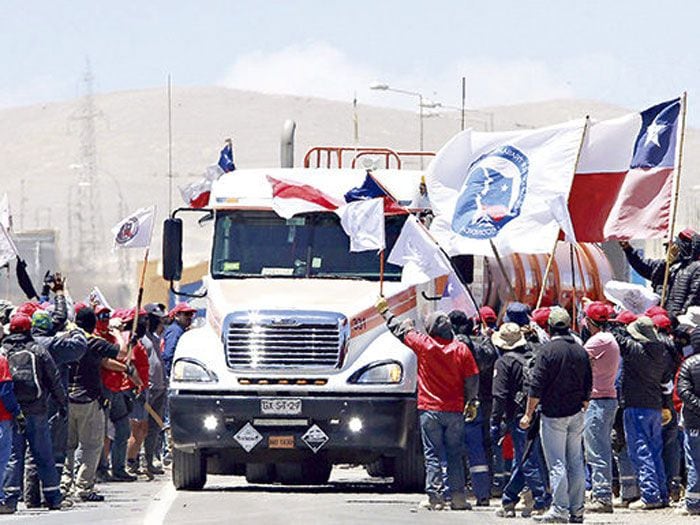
(363, 221)
(505, 187)
(418, 253)
(135, 231)
(8, 251)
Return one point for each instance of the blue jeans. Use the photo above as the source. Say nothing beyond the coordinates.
(478, 459)
(692, 462)
(672, 452)
(598, 422)
(443, 436)
(39, 438)
(645, 448)
(5, 449)
(562, 441)
(122, 431)
(530, 473)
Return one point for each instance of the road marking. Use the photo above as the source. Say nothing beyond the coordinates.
(160, 506)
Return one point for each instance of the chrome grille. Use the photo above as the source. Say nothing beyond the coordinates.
(271, 342)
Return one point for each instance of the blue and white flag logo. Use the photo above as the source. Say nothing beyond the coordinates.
(492, 194)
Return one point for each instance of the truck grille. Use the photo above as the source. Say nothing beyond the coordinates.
(274, 341)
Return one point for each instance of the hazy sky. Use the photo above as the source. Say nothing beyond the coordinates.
(632, 53)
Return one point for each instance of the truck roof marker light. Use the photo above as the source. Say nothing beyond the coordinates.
(302, 382)
(320, 382)
(244, 381)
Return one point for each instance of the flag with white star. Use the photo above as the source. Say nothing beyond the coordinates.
(624, 178)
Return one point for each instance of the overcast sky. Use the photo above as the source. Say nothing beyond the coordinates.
(631, 53)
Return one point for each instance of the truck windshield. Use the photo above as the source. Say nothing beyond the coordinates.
(260, 243)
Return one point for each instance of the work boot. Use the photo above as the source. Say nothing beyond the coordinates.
(550, 517)
(436, 502)
(601, 507)
(155, 469)
(640, 504)
(122, 476)
(683, 510)
(459, 502)
(483, 502)
(7, 508)
(507, 510)
(132, 467)
(91, 497)
(576, 519)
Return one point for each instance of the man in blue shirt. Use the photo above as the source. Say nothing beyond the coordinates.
(182, 316)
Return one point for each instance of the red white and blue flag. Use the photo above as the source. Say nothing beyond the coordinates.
(623, 183)
(361, 209)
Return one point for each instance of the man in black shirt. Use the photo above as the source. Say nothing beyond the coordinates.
(561, 383)
(85, 416)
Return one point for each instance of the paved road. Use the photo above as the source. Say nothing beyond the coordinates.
(351, 497)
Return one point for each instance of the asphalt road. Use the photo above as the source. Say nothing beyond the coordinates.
(351, 497)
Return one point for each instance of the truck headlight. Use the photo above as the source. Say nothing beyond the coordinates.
(192, 371)
(379, 373)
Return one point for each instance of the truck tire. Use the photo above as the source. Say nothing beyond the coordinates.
(377, 469)
(260, 473)
(189, 470)
(408, 468)
(309, 472)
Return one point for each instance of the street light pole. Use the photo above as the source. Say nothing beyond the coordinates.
(378, 86)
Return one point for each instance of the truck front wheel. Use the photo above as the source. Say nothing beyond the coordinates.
(189, 470)
(408, 468)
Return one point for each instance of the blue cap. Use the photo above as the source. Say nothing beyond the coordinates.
(517, 313)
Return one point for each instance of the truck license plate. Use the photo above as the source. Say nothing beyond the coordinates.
(280, 442)
(280, 407)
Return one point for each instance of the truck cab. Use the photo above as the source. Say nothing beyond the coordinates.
(293, 370)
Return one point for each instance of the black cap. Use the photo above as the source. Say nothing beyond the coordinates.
(156, 309)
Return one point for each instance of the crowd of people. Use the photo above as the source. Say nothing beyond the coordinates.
(561, 416)
(83, 396)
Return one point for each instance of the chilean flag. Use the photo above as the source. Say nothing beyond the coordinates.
(292, 197)
(624, 177)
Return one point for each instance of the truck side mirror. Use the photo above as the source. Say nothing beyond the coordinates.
(172, 249)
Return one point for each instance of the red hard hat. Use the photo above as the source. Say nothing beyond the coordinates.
(625, 317)
(487, 314)
(20, 323)
(182, 308)
(541, 315)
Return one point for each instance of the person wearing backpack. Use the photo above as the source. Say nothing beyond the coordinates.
(509, 396)
(35, 378)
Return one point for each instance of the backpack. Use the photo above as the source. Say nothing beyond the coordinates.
(24, 369)
(527, 360)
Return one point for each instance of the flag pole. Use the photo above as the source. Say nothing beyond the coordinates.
(676, 186)
(547, 270)
(139, 298)
(381, 273)
(502, 267)
(573, 286)
(550, 261)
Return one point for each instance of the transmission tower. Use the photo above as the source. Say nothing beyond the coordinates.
(87, 211)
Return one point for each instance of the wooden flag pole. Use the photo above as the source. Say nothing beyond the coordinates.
(381, 273)
(503, 270)
(139, 298)
(676, 187)
(573, 286)
(547, 270)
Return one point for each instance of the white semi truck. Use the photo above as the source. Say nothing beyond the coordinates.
(293, 370)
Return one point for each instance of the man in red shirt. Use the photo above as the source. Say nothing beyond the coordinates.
(445, 366)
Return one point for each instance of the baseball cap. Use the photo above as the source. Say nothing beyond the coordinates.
(156, 309)
(541, 315)
(182, 308)
(517, 313)
(661, 321)
(598, 312)
(559, 318)
(625, 317)
(686, 234)
(20, 323)
(488, 314)
(655, 310)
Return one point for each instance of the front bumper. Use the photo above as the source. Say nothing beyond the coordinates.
(385, 423)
